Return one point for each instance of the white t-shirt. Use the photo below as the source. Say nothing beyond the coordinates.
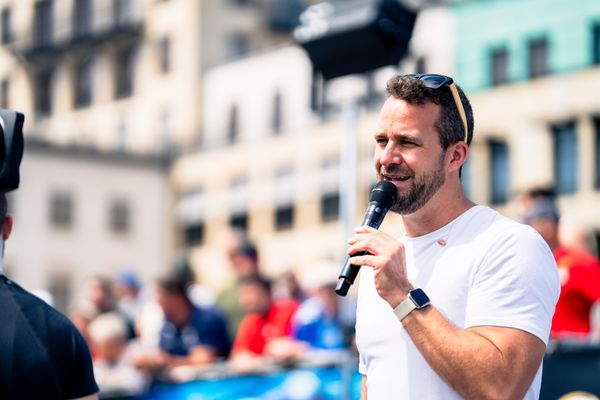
(491, 272)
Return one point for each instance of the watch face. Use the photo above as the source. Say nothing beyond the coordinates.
(419, 298)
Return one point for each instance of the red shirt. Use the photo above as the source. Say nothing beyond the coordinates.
(580, 288)
(257, 330)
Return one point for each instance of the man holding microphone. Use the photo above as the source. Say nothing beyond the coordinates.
(461, 305)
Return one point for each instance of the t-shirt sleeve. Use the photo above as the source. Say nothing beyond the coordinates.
(516, 285)
(82, 382)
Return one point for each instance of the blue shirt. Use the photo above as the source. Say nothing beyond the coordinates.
(206, 327)
(313, 326)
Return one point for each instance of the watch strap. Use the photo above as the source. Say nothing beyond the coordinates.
(404, 308)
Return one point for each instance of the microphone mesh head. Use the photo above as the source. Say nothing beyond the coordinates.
(384, 193)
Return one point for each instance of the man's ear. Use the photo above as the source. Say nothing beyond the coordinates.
(457, 155)
(7, 227)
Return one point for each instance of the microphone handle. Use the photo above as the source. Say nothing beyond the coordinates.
(373, 218)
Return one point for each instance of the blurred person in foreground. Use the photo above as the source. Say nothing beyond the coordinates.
(319, 321)
(579, 274)
(99, 296)
(113, 368)
(190, 335)
(265, 331)
(243, 257)
(128, 295)
(42, 354)
(461, 305)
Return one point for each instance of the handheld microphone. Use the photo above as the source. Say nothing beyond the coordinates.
(382, 197)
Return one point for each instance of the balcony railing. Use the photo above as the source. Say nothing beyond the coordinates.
(52, 36)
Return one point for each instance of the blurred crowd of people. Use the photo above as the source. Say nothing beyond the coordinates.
(577, 313)
(177, 328)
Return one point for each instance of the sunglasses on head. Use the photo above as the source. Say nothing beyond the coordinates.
(435, 81)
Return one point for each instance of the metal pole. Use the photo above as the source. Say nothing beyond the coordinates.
(348, 165)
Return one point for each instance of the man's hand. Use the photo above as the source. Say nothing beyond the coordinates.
(386, 257)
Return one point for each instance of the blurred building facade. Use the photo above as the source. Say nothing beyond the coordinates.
(271, 158)
(112, 88)
(534, 85)
(81, 212)
(220, 88)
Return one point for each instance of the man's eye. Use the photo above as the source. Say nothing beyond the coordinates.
(381, 141)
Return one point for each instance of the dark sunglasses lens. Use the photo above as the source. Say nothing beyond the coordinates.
(435, 81)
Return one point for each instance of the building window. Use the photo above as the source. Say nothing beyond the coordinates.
(6, 27)
(82, 18)
(596, 43)
(284, 198)
(284, 217)
(317, 91)
(119, 217)
(597, 152)
(499, 172)
(565, 157)
(194, 234)
(538, 58)
(330, 206)
(83, 84)
(121, 12)
(239, 221)
(164, 55)
(125, 63)
(499, 65)
(43, 93)
(61, 210)
(4, 88)
(232, 126)
(277, 121)
(42, 27)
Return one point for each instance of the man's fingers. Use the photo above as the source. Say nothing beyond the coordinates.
(361, 245)
(364, 229)
(365, 261)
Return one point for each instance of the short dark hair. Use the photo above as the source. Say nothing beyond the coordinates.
(174, 282)
(449, 124)
(247, 249)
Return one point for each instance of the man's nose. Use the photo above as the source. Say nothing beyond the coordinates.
(390, 154)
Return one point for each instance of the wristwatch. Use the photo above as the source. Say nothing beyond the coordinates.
(417, 299)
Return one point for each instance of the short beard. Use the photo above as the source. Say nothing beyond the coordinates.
(420, 192)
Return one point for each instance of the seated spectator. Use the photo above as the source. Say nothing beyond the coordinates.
(81, 316)
(578, 270)
(265, 331)
(113, 370)
(129, 301)
(99, 296)
(190, 335)
(318, 322)
(243, 257)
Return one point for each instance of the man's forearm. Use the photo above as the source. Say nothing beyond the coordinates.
(471, 363)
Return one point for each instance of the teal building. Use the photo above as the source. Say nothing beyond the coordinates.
(513, 41)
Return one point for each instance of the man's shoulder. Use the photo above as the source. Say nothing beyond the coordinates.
(37, 313)
(498, 228)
